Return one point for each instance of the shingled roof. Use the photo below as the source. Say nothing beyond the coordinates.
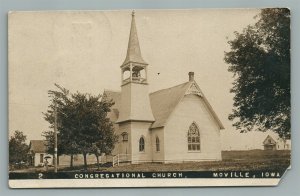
(133, 51)
(163, 102)
(38, 146)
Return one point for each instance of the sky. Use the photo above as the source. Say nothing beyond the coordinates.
(83, 51)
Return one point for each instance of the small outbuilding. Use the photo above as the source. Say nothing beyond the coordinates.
(269, 143)
(276, 144)
(38, 153)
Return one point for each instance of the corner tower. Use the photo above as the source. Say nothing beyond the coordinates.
(135, 102)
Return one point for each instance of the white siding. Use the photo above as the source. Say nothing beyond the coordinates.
(39, 162)
(139, 129)
(123, 147)
(281, 145)
(135, 103)
(158, 156)
(191, 109)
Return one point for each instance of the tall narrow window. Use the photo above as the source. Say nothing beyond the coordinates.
(142, 145)
(157, 144)
(193, 138)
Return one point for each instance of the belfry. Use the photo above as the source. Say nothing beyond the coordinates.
(135, 95)
(170, 125)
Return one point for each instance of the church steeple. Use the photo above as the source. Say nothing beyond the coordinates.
(133, 51)
(135, 102)
(134, 68)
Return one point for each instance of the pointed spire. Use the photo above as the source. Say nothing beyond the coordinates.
(133, 50)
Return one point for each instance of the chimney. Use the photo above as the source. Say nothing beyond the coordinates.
(191, 76)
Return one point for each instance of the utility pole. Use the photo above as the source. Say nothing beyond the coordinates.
(55, 137)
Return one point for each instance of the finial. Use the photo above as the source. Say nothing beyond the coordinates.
(133, 13)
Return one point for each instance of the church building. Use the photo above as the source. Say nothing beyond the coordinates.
(176, 124)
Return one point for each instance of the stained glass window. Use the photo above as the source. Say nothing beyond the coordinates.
(193, 138)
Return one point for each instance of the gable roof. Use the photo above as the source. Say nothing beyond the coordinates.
(213, 113)
(269, 141)
(163, 102)
(38, 146)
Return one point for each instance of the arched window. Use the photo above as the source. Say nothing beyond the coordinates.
(157, 144)
(142, 145)
(193, 138)
(124, 136)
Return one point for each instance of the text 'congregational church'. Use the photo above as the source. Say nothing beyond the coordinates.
(170, 125)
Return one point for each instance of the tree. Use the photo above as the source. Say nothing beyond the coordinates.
(96, 151)
(18, 149)
(61, 148)
(59, 100)
(91, 125)
(82, 122)
(260, 61)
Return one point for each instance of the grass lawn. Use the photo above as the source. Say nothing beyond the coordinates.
(231, 161)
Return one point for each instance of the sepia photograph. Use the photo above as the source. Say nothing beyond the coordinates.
(149, 98)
